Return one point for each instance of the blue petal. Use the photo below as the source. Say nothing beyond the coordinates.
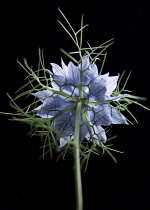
(111, 84)
(52, 105)
(94, 69)
(89, 72)
(57, 70)
(116, 117)
(64, 141)
(105, 115)
(96, 131)
(64, 67)
(43, 95)
(73, 74)
(65, 124)
(116, 98)
(97, 134)
(66, 78)
(83, 133)
(84, 63)
(59, 75)
(58, 80)
(100, 115)
(58, 85)
(86, 92)
(97, 89)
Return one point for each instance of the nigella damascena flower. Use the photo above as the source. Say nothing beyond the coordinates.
(71, 84)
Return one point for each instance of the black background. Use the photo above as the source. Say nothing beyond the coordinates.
(30, 183)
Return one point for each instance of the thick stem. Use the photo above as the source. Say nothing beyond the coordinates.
(78, 181)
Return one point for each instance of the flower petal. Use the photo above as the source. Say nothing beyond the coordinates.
(83, 132)
(43, 94)
(89, 72)
(68, 77)
(65, 124)
(97, 89)
(57, 70)
(59, 75)
(100, 115)
(116, 98)
(105, 115)
(97, 134)
(52, 105)
(64, 141)
(64, 67)
(84, 63)
(111, 84)
(94, 69)
(73, 75)
(116, 117)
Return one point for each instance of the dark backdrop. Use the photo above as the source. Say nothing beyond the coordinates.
(30, 183)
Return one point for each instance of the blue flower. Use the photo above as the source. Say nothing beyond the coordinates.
(73, 83)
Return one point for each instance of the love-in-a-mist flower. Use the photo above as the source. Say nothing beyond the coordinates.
(71, 84)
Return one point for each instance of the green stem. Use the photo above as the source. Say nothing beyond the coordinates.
(78, 181)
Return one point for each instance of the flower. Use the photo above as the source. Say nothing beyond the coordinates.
(71, 84)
